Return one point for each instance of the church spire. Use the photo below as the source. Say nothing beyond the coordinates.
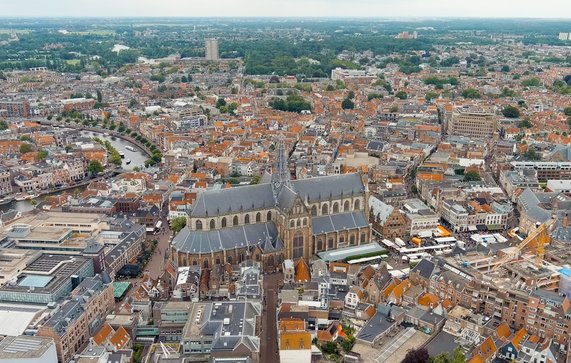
(280, 174)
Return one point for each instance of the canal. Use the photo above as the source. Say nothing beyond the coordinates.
(136, 157)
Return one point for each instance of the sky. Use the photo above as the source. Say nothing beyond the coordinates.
(288, 8)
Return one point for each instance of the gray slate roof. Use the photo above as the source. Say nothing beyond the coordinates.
(212, 203)
(338, 222)
(264, 235)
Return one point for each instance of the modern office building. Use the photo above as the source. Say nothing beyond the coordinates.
(47, 279)
(211, 49)
(472, 123)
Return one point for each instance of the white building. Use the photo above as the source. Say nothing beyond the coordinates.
(27, 349)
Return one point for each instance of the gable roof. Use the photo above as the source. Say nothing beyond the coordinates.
(103, 334)
(425, 268)
(120, 339)
(302, 271)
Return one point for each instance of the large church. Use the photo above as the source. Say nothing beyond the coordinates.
(277, 219)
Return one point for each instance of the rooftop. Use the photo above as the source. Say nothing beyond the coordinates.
(24, 347)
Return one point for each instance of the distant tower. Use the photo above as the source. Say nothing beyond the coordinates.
(211, 49)
(280, 174)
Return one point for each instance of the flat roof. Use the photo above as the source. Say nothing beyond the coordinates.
(119, 288)
(35, 281)
(343, 253)
(15, 318)
(24, 347)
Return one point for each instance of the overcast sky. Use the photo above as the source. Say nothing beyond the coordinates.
(289, 8)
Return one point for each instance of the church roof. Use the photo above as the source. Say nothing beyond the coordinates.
(323, 188)
(213, 203)
(338, 222)
(227, 238)
(286, 198)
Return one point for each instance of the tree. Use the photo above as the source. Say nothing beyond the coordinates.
(330, 88)
(456, 356)
(220, 102)
(430, 95)
(525, 124)
(531, 82)
(178, 223)
(416, 356)
(347, 104)
(401, 95)
(510, 111)
(471, 93)
(99, 96)
(531, 154)
(329, 348)
(472, 176)
(25, 148)
(567, 111)
(94, 167)
(42, 154)
(351, 95)
(3, 125)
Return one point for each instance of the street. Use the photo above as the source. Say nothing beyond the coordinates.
(156, 263)
(268, 334)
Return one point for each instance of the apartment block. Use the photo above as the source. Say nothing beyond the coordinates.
(476, 124)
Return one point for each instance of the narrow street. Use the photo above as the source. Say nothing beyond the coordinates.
(269, 334)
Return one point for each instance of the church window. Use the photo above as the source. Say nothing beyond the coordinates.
(298, 223)
(258, 217)
(223, 222)
(247, 219)
(297, 245)
(292, 224)
(218, 260)
(324, 209)
(305, 222)
(205, 264)
(269, 216)
(357, 204)
(319, 245)
(335, 207)
(341, 240)
(363, 237)
(330, 243)
(352, 239)
(199, 225)
(314, 210)
(229, 259)
(346, 206)
(212, 224)
(235, 221)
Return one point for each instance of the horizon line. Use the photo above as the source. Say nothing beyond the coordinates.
(387, 17)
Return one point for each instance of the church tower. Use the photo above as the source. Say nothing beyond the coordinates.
(280, 174)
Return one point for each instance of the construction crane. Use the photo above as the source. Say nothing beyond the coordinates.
(536, 239)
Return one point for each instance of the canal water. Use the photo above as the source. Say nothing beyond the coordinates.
(137, 158)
